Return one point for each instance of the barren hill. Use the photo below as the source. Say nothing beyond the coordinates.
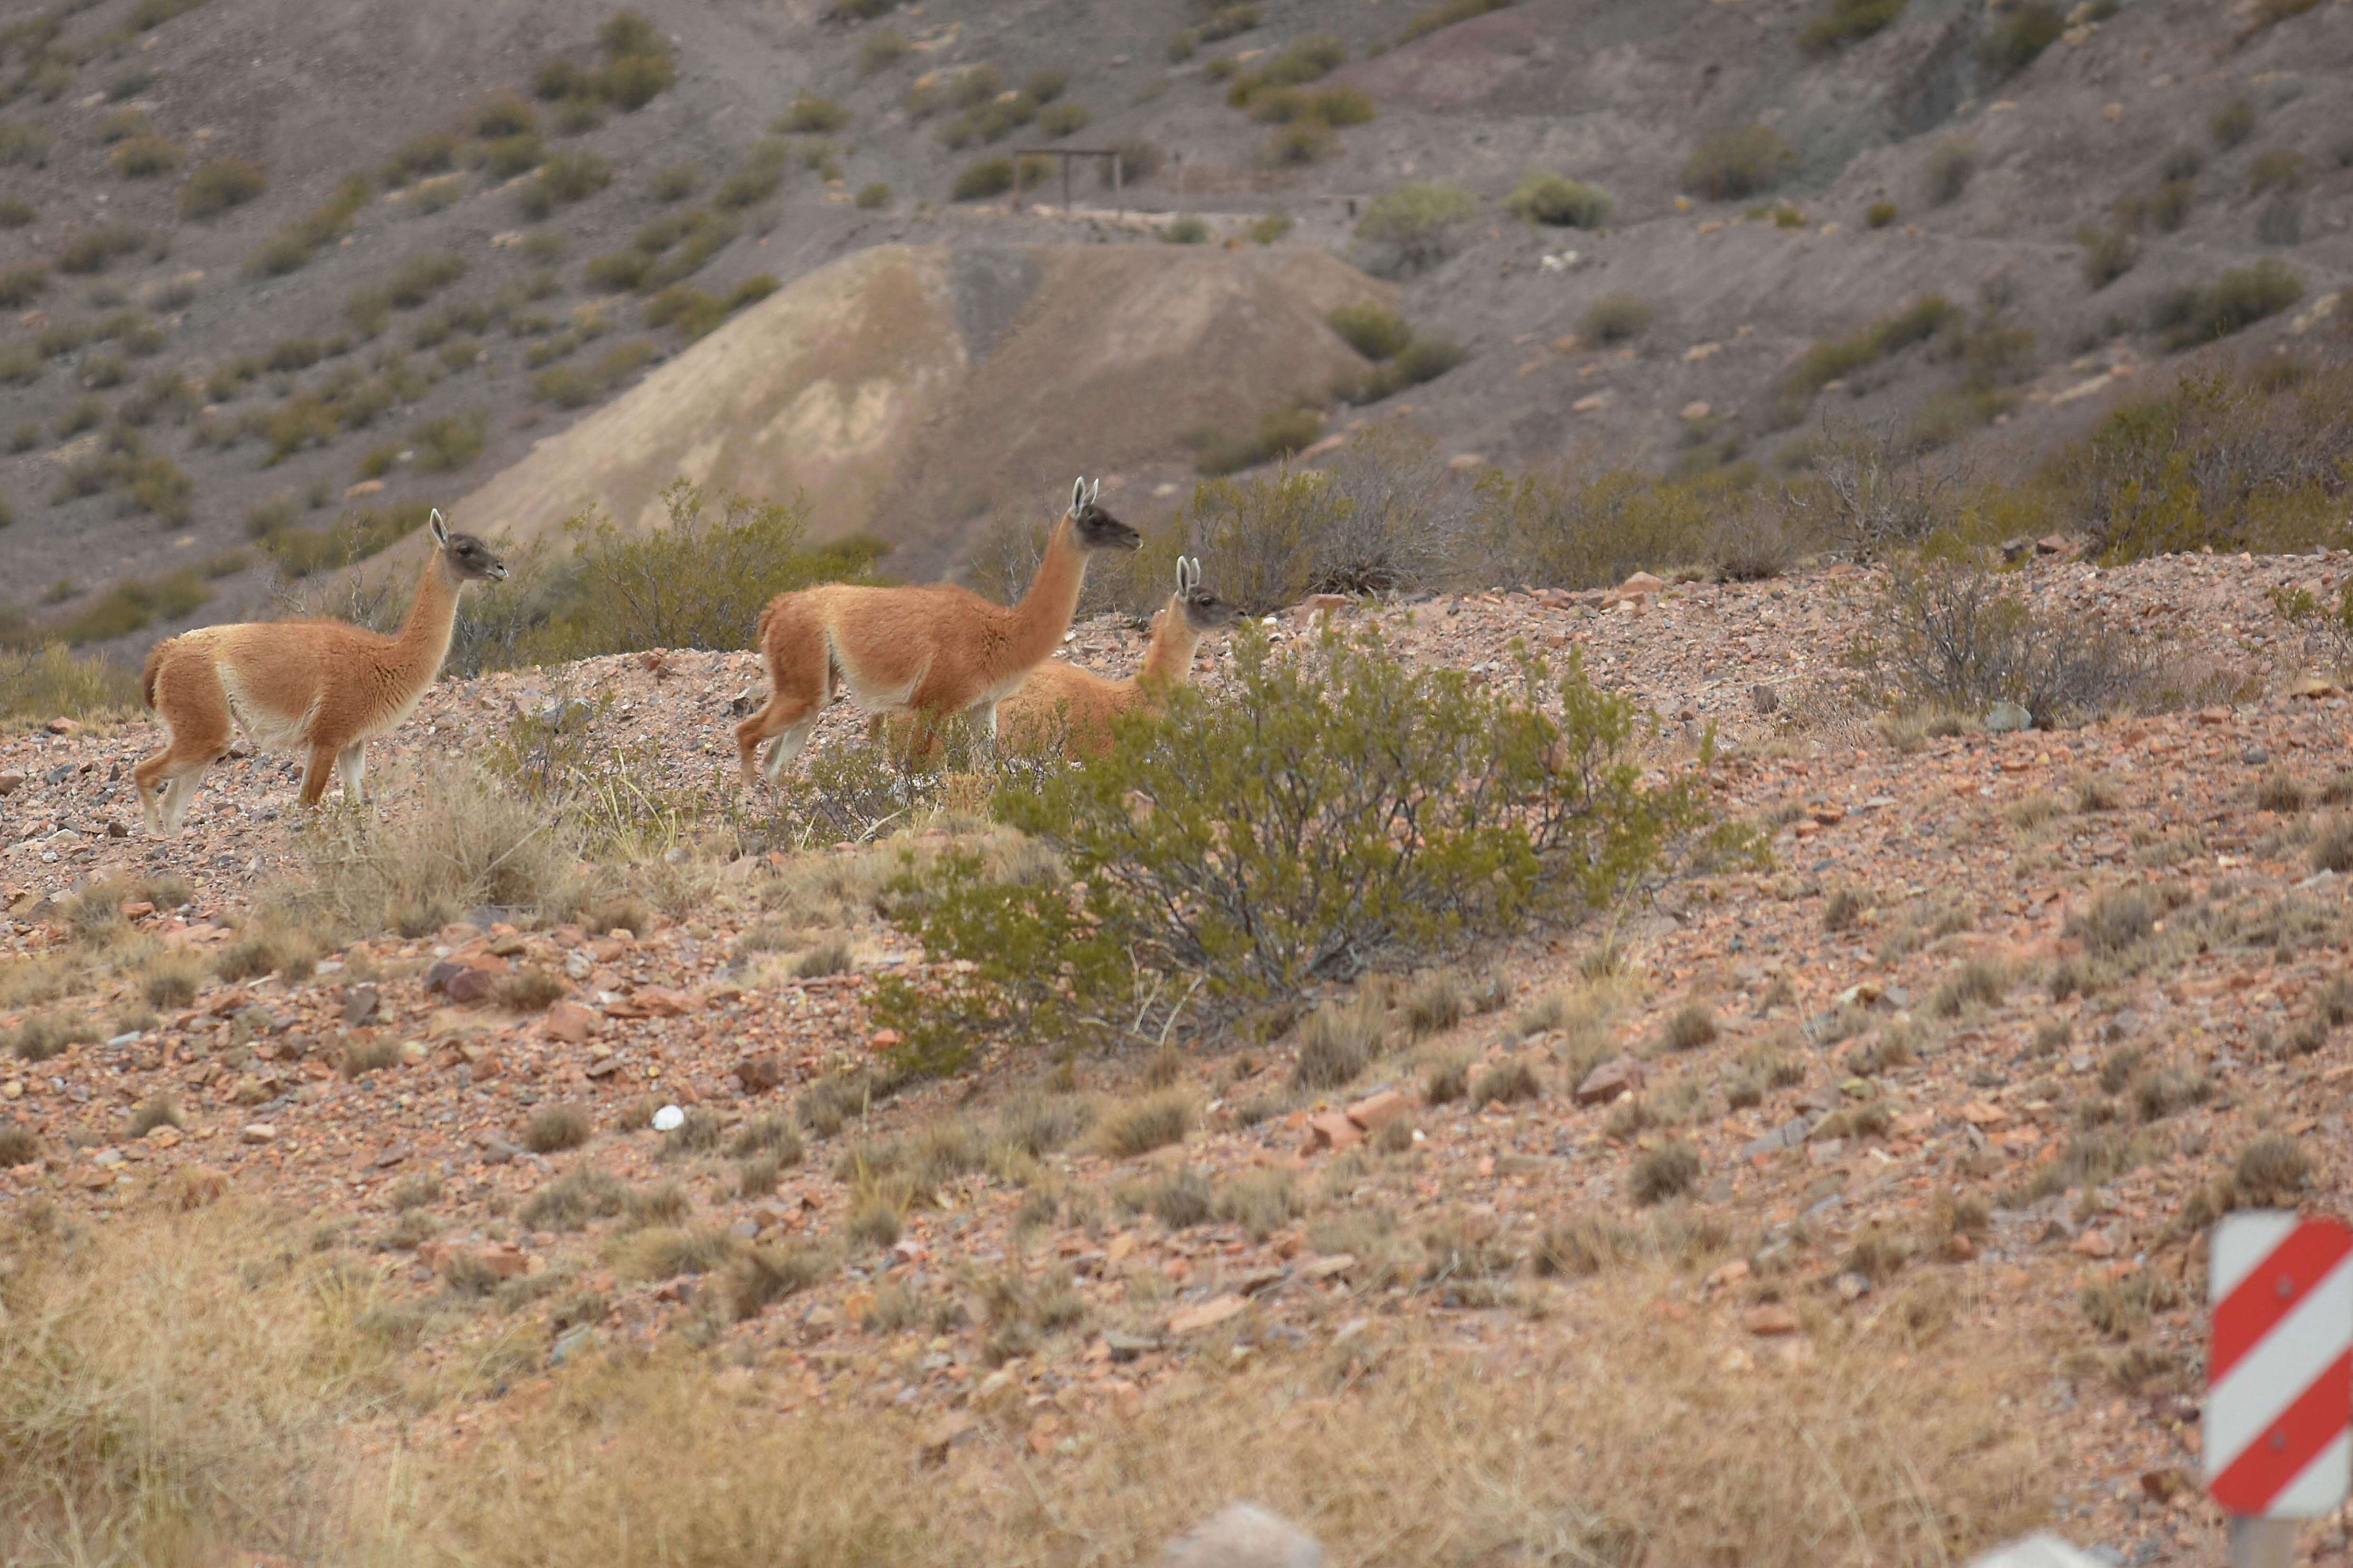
(907, 388)
(452, 232)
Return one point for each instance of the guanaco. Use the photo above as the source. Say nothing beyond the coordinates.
(1060, 704)
(932, 651)
(318, 688)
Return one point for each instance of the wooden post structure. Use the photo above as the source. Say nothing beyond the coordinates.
(1118, 171)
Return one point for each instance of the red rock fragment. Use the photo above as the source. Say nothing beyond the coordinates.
(1376, 1111)
(1332, 1129)
(1769, 1320)
(570, 1023)
(1619, 1075)
(761, 1074)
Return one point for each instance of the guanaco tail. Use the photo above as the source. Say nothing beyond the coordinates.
(321, 689)
(932, 651)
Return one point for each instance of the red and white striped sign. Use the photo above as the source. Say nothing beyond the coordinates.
(2279, 1371)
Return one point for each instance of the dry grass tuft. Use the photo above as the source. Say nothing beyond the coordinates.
(155, 1111)
(1692, 1026)
(1506, 1084)
(558, 1128)
(532, 990)
(2271, 1173)
(1668, 1171)
(1337, 1042)
(1140, 1126)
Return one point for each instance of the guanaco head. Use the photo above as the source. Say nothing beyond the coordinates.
(1204, 611)
(1093, 527)
(465, 557)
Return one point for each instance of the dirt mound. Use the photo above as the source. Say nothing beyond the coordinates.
(909, 389)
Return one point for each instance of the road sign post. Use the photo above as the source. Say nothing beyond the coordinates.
(2278, 1431)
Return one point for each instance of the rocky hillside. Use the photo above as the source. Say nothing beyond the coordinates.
(1907, 1141)
(270, 263)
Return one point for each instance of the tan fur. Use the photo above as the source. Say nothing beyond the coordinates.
(319, 689)
(932, 651)
(1061, 706)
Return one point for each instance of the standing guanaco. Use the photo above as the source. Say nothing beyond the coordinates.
(933, 651)
(322, 688)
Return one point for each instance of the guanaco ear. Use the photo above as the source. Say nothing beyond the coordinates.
(1094, 493)
(1078, 495)
(441, 530)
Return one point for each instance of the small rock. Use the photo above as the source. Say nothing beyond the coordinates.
(258, 1132)
(1244, 1535)
(1332, 1129)
(1696, 410)
(63, 727)
(1769, 1320)
(360, 1004)
(1376, 1111)
(10, 783)
(2254, 756)
(669, 1119)
(1851, 1287)
(761, 1074)
(472, 986)
(570, 1022)
(1619, 1075)
(2007, 716)
(1207, 1314)
(2094, 1244)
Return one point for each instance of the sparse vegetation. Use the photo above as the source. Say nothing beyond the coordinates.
(1946, 171)
(1411, 229)
(1560, 203)
(1737, 162)
(1615, 319)
(2016, 40)
(2231, 303)
(220, 185)
(1844, 22)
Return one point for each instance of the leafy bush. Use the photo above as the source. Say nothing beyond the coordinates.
(145, 156)
(2017, 40)
(295, 243)
(1267, 230)
(699, 583)
(1060, 120)
(1361, 808)
(449, 442)
(1946, 170)
(2217, 460)
(882, 48)
(1952, 638)
(1737, 162)
(1569, 528)
(1879, 214)
(873, 195)
(1845, 22)
(2233, 122)
(564, 178)
(813, 113)
(1413, 225)
(982, 179)
(96, 250)
(435, 153)
(1615, 318)
(1280, 433)
(23, 144)
(1307, 58)
(1374, 330)
(763, 172)
(1301, 142)
(137, 604)
(49, 682)
(1384, 518)
(2231, 303)
(2282, 169)
(220, 185)
(20, 285)
(1187, 230)
(15, 213)
(1560, 203)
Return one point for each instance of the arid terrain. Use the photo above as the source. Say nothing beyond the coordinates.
(1960, 1071)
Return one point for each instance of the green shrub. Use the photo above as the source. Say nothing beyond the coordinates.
(883, 49)
(15, 213)
(1414, 225)
(49, 682)
(1572, 529)
(20, 286)
(1517, 815)
(2233, 122)
(1615, 319)
(813, 113)
(1267, 230)
(145, 156)
(1060, 120)
(295, 243)
(2282, 169)
(1428, 20)
(564, 178)
(1879, 214)
(1560, 203)
(676, 183)
(2231, 303)
(1737, 162)
(449, 442)
(507, 156)
(1187, 230)
(24, 144)
(982, 179)
(632, 81)
(1946, 171)
(506, 115)
(1226, 21)
(1279, 433)
(220, 185)
(136, 604)
(1374, 330)
(2216, 459)
(1301, 142)
(1307, 58)
(871, 197)
(94, 250)
(435, 154)
(422, 277)
(2017, 40)
(1845, 22)
(763, 172)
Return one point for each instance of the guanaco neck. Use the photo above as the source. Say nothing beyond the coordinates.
(1045, 611)
(424, 638)
(1168, 657)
